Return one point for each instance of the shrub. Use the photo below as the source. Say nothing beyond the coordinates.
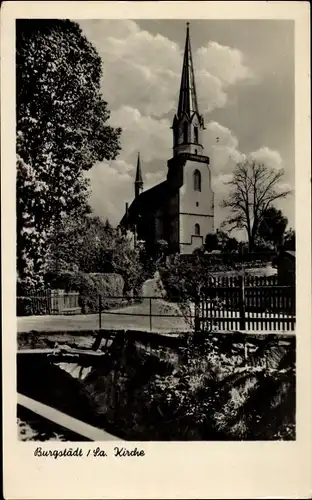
(204, 391)
(183, 272)
(29, 306)
(182, 276)
(90, 286)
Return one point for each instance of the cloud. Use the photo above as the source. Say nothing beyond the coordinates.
(97, 29)
(216, 134)
(268, 157)
(155, 178)
(225, 63)
(121, 166)
(222, 146)
(285, 186)
(221, 180)
(210, 92)
(144, 134)
(143, 70)
(112, 184)
(111, 188)
(217, 68)
(140, 70)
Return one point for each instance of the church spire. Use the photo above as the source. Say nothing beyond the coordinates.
(187, 97)
(138, 184)
(188, 124)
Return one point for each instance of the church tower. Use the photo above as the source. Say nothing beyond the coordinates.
(138, 183)
(179, 210)
(192, 210)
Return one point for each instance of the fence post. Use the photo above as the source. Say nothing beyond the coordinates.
(150, 313)
(245, 351)
(197, 310)
(100, 309)
(242, 322)
(49, 306)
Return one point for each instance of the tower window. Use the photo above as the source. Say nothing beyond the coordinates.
(185, 133)
(196, 135)
(197, 230)
(197, 180)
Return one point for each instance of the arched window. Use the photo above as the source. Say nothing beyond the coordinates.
(196, 135)
(185, 133)
(197, 180)
(197, 230)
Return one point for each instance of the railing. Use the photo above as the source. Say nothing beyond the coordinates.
(143, 307)
(63, 421)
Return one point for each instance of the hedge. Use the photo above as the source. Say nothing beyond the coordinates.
(90, 286)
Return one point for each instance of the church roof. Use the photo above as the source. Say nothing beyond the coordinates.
(187, 97)
(148, 201)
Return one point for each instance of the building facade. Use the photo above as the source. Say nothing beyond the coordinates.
(179, 210)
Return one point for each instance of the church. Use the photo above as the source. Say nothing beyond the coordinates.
(179, 210)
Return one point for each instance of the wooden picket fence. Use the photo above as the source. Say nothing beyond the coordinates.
(246, 303)
(44, 302)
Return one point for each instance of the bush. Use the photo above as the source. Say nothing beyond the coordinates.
(29, 306)
(198, 391)
(183, 274)
(90, 286)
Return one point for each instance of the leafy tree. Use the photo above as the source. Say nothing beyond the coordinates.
(253, 189)
(231, 245)
(61, 132)
(272, 226)
(211, 242)
(222, 238)
(161, 250)
(90, 245)
(220, 241)
(290, 240)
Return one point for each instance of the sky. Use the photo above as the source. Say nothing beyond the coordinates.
(244, 73)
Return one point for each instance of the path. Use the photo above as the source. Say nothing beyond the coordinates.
(118, 319)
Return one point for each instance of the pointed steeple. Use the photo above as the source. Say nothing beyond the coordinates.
(188, 124)
(187, 97)
(138, 184)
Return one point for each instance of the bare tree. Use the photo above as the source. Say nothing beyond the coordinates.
(253, 189)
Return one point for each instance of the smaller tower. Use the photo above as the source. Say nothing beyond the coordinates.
(138, 184)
